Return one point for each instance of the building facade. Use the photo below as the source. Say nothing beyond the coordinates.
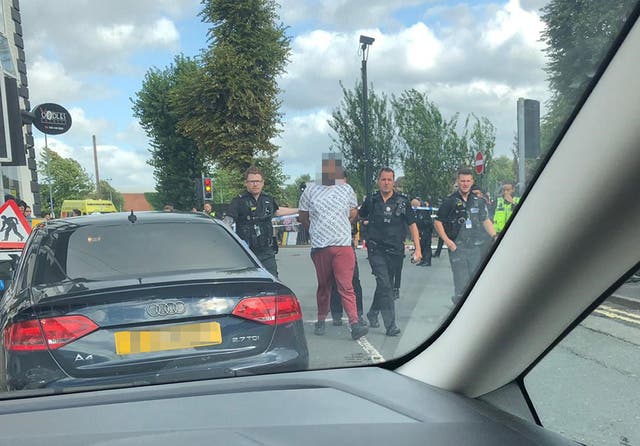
(17, 152)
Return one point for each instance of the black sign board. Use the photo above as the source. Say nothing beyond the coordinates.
(52, 119)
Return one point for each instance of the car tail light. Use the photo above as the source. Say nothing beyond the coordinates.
(270, 310)
(52, 333)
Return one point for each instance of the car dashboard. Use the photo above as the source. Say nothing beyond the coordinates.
(371, 406)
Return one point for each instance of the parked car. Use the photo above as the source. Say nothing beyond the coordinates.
(142, 297)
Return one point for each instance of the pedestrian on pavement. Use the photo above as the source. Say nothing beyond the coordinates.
(461, 222)
(425, 229)
(328, 212)
(389, 214)
(505, 205)
(252, 213)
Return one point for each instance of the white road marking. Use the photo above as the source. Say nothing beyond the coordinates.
(370, 350)
(374, 355)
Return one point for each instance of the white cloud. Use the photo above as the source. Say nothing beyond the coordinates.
(101, 37)
(133, 135)
(342, 14)
(514, 22)
(468, 59)
(302, 143)
(48, 80)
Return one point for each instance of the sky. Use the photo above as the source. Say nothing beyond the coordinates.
(91, 57)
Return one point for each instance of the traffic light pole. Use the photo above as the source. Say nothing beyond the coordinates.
(202, 185)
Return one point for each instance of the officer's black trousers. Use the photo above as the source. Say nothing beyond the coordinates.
(268, 259)
(383, 266)
(464, 263)
(425, 246)
(439, 247)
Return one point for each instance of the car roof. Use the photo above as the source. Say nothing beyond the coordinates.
(117, 218)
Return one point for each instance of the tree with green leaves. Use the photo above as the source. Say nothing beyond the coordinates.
(175, 158)
(432, 151)
(154, 200)
(578, 34)
(481, 137)
(346, 122)
(68, 180)
(500, 171)
(108, 192)
(228, 182)
(291, 192)
(230, 106)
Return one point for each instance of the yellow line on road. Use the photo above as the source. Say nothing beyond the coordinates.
(614, 314)
(620, 312)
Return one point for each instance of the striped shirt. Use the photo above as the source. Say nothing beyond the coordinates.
(329, 208)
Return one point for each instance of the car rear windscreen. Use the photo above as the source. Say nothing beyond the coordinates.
(137, 250)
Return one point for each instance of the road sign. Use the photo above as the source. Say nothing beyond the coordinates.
(14, 228)
(479, 163)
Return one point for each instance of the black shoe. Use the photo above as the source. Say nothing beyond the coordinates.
(319, 328)
(362, 321)
(396, 293)
(358, 331)
(373, 320)
(337, 321)
(393, 331)
(426, 264)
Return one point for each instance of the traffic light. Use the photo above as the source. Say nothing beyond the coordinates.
(207, 189)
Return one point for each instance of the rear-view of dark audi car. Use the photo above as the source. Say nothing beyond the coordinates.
(143, 298)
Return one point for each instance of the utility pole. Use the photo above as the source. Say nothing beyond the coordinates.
(95, 160)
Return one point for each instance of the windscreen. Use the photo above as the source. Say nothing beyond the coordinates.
(137, 250)
(371, 155)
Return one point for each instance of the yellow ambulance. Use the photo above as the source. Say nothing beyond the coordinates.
(86, 207)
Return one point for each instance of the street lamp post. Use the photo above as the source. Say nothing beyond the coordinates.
(365, 42)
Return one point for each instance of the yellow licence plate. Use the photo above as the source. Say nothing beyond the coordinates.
(173, 337)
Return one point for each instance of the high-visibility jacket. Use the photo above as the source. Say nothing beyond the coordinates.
(503, 212)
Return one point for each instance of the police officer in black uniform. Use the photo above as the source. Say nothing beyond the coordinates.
(462, 222)
(252, 213)
(425, 229)
(388, 214)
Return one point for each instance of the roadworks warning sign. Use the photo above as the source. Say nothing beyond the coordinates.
(14, 227)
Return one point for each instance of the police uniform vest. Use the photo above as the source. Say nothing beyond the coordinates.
(503, 212)
(387, 226)
(464, 222)
(423, 220)
(253, 224)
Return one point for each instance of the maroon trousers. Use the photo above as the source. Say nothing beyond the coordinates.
(335, 263)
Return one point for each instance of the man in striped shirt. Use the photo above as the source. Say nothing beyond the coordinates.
(327, 212)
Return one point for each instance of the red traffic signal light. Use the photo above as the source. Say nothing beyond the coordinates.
(207, 189)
